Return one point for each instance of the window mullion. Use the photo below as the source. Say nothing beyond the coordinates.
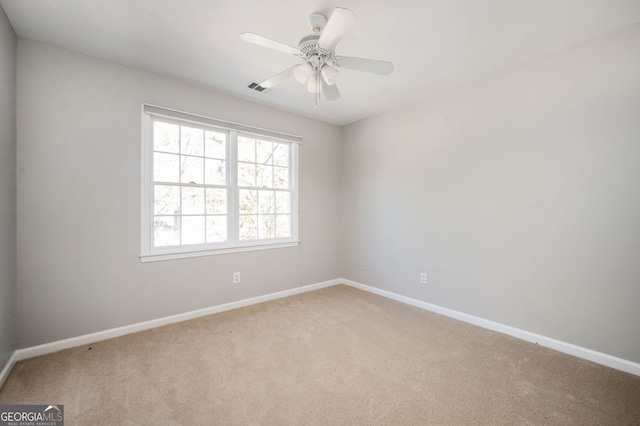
(233, 209)
(294, 189)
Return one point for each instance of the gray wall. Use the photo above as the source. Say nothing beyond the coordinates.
(7, 189)
(518, 194)
(79, 126)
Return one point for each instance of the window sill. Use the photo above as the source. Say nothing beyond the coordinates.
(156, 257)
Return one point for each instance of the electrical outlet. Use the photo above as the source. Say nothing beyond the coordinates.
(423, 278)
(236, 277)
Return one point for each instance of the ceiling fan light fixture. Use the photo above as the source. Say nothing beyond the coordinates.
(330, 74)
(302, 72)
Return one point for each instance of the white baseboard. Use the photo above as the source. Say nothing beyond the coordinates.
(7, 368)
(560, 346)
(86, 339)
(568, 348)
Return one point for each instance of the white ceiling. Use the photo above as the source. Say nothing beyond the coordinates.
(434, 44)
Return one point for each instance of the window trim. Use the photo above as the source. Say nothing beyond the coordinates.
(148, 253)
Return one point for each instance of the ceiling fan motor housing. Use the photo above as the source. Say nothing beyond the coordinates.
(312, 53)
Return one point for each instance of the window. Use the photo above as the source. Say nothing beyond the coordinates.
(210, 186)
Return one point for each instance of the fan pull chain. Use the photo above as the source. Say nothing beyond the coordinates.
(317, 97)
(318, 89)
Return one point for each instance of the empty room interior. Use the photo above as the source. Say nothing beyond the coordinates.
(355, 212)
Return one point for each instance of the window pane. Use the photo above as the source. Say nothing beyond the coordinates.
(216, 229)
(280, 177)
(283, 202)
(248, 201)
(192, 170)
(166, 231)
(281, 155)
(266, 201)
(192, 141)
(267, 226)
(166, 137)
(215, 144)
(216, 201)
(246, 149)
(265, 176)
(246, 174)
(166, 200)
(166, 167)
(248, 228)
(193, 230)
(215, 172)
(192, 200)
(283, 226)
(264, 152)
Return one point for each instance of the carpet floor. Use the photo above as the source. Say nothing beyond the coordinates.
(336, 356)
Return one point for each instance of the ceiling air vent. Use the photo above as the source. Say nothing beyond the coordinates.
(257, 87)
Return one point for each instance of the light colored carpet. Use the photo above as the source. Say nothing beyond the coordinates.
(336, 356)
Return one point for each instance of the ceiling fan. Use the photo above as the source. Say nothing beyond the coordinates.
(319, 71)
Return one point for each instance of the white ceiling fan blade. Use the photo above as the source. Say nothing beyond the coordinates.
(338, 25)
(367, 65)
(331, 92)
(278, 78)
(267, 42)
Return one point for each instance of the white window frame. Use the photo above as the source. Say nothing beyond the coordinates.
(148, 252)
